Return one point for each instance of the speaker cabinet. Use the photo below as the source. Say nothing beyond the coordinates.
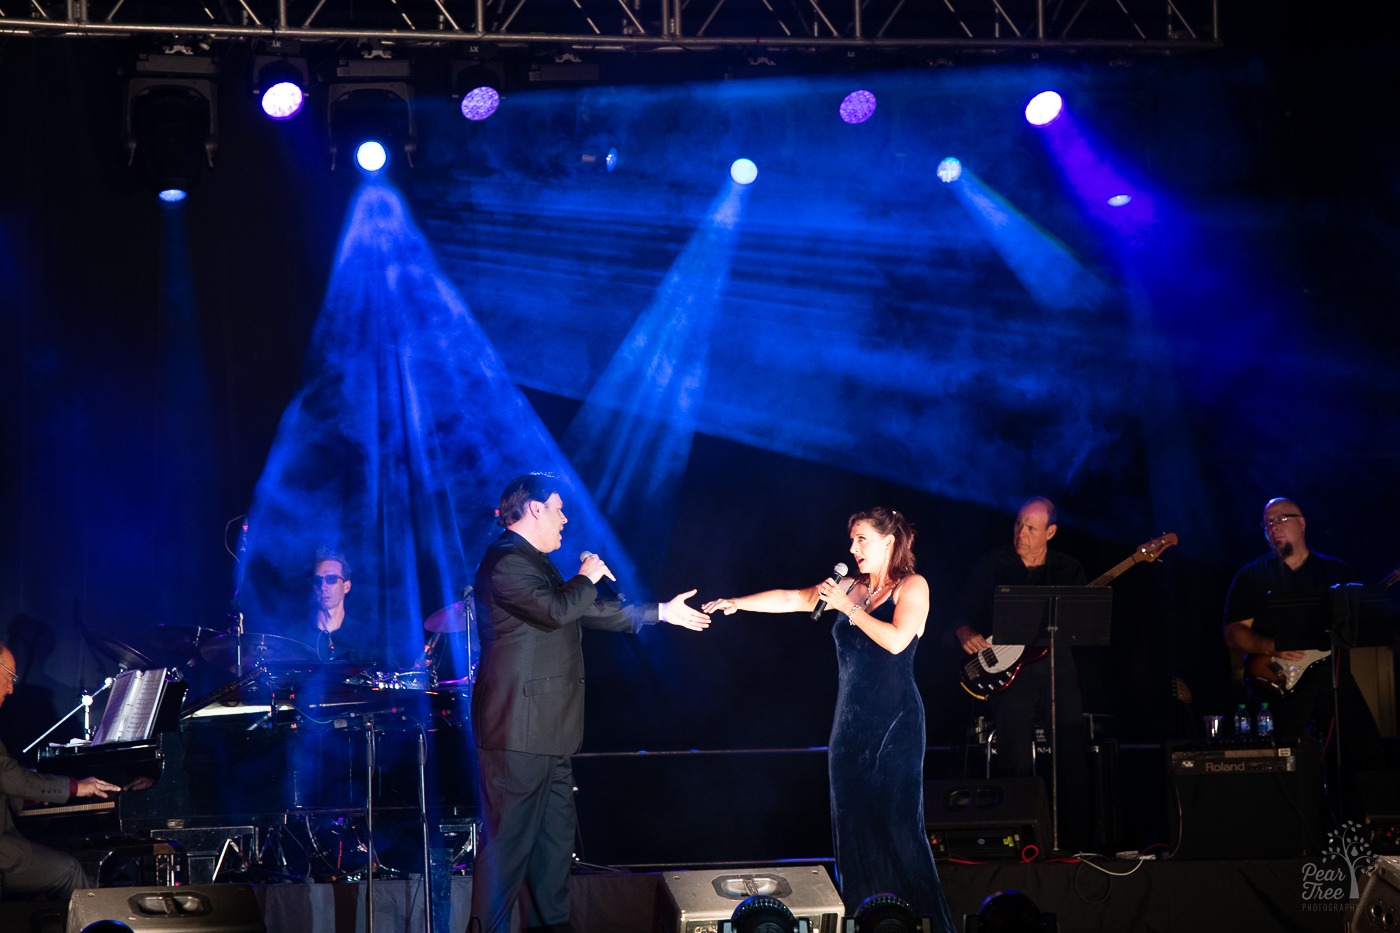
(1378, 908)
(991, 818)
(210, 908)
(1244, 802)
(697, 901)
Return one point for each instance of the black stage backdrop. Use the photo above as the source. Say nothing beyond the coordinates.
(133, 432)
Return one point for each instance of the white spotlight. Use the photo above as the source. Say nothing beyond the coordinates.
(1044, 108)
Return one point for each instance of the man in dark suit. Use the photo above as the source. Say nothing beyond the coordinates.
(527, 704)
(27, 869)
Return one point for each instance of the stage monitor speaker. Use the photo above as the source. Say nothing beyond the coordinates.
(1231, 802)
(696, 901)
(1378, 907)
(208, 908)
(987, 818)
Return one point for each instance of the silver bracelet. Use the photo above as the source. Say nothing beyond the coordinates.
(851, 616)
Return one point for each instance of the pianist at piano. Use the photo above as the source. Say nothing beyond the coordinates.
(28, 869)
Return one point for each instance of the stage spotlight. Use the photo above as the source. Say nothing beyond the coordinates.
(107, 926)
(857, 107)
(478, 86)
(371, 100)
(279, 84)
(1120, 200)
(1044, 108)
(763, 914)
(371, 156)
(884, 913)
(949, 170)
(743, 171)
(171, 122)
(1012, 912)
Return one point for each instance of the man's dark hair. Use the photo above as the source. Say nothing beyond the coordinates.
(330, 553)
(520, 492)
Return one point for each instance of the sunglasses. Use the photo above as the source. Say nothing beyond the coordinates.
(330, 579)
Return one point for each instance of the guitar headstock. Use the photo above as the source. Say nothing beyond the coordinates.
(1151, 550)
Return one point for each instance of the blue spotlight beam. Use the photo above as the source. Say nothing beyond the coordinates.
(1096, 180)
(1051, 274)
(631, 441)
(396, 448)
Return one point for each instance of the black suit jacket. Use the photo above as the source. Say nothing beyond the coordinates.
(18, 784)
(528, 695)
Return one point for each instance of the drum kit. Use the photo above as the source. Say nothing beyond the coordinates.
(263, 660)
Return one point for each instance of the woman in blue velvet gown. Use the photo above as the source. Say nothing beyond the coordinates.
(876, 757)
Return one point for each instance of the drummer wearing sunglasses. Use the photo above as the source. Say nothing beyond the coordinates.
(335, 639)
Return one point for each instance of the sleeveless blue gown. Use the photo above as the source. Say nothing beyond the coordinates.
(876, 764)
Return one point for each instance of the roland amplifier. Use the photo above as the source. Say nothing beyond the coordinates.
(698, 901)
(1244, 800)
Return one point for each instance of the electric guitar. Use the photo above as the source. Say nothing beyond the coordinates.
(993, 669)
(1277, 677)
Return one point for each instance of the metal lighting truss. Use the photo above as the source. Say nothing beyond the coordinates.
(630, 26)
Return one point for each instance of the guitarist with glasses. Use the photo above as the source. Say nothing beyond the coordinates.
(1016, 707)
(1297, 684)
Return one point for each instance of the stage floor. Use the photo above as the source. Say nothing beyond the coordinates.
(1113, 896)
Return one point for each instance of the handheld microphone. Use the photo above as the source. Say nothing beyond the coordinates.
(604, 586)
(837, 573)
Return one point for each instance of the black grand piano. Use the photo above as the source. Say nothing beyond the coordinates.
(128, 749)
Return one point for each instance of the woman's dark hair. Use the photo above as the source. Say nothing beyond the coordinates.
(889, 522)
(520, 492)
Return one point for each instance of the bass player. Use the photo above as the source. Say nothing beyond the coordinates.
(1028, 561)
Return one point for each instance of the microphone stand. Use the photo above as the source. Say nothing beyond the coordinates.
(85, 705)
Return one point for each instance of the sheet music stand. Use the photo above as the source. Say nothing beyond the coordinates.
(1049, 616)
(142, 703)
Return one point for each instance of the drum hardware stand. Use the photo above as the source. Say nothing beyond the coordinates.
(423, 816)
(273, 842)
(219, 865)
(85, 704)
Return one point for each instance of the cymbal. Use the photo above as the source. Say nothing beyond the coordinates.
(461, 683)
(178, 641)
(223, 649)
(119, 652)
(448, 619)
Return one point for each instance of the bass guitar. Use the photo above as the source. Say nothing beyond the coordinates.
(1276, 677)
(993, 669)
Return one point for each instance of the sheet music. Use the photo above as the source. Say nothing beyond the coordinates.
(131, 710)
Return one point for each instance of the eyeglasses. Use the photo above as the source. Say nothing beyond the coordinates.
(13, 676)
(330, 579)
(1284, 519)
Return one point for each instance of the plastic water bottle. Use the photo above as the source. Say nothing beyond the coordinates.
(1242, 720)
(1264, 722)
